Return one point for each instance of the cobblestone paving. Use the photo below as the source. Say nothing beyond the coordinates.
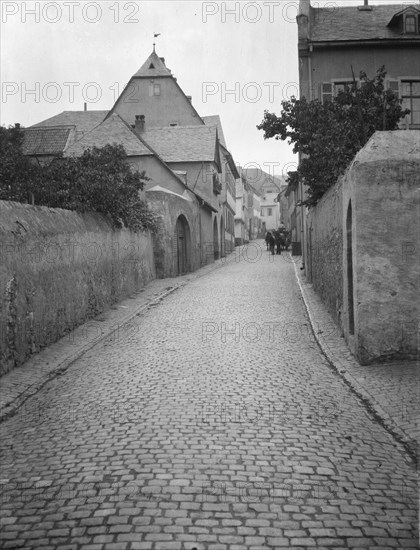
(216, 426)
(392, 389)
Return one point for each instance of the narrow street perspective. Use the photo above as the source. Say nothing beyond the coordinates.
(209, 275)
(217, 425)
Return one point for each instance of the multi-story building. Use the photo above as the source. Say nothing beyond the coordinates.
(191, 172)
(336, 43)
(255, 229)
(242, 215)
(267, 187)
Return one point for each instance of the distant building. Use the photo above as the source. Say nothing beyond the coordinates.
(268, 188)
(255, 223)
(242, 215)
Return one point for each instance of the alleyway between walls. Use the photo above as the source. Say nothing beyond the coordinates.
(217, 425)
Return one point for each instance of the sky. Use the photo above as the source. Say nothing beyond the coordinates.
(236, 59)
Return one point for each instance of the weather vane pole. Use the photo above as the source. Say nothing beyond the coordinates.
(155, 35)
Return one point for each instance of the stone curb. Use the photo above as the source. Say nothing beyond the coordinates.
(341, 364)
(11, 404)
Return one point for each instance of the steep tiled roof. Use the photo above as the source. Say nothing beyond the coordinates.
(112, 130)
(153, 66)
(46, 141)
(214, 120)
(257, 178)
(349, 23)
(183, 143)
(84, 121)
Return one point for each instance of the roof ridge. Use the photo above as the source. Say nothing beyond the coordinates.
(179, 127)
(59, 126)
(83, 111)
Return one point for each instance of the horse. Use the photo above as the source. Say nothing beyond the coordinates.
(278, 236)
(270, 241)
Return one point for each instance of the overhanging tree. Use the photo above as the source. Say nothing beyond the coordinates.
(328, 135)
(100, 180)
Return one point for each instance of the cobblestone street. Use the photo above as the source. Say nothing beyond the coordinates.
(215, 423)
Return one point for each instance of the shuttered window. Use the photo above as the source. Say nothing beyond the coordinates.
(327, 92)
(410, 95)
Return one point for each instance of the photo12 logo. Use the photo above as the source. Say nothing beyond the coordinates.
(249, 92)
(69, 12)
(265, 12)
(54, 92)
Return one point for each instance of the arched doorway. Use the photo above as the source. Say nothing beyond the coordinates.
(215, 240)
(222, 238)
(350, 297)
(183, 246)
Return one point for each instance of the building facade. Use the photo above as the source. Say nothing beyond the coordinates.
(336, 43)
(191, 172)
(242, 211)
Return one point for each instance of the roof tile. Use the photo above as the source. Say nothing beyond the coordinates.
(84, 121)
(112, 131)
(183, 143)
(214, 120)
(350, 23)
(45, 141)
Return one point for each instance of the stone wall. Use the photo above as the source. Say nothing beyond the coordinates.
(58, 269)
(381, 206)
(170, 206)
(325, 258)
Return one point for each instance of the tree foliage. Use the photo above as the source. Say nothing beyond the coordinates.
(328, 135)
(100, 180)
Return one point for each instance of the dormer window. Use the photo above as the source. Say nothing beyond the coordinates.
(406, 21)
(410, 24)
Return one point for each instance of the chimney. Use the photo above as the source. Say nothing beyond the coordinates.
(365, 6)
(140, 123)
(85, 106)
(305, 7)
(189, 97)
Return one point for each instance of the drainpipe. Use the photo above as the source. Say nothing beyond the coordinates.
(311, 49)
(305, 250)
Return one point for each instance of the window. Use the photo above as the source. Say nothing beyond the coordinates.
(410, 24)
(327, 92)
(330, 89)
(394, 85)
(411, 100)
(341, 86)
(156, 89)
(270, 212)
